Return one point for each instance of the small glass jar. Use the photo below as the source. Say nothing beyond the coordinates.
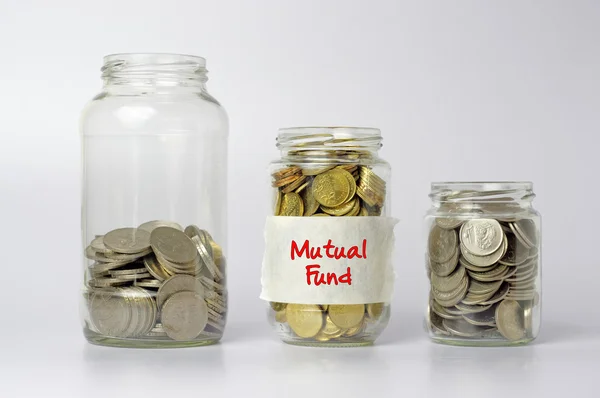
(327, 271)
(154, 201)
(483, 262)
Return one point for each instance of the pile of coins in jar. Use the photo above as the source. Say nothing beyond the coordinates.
(157, 281)
(483, 274)
(323, 323)
(343, 188)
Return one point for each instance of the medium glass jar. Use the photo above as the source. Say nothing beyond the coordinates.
(327, 270)
(483, 263)
(154, 205)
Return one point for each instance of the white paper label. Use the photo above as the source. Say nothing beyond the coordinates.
(328, 260)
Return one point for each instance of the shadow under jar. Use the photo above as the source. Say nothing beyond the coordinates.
(154, 205)
(483, 264)
(329, 210)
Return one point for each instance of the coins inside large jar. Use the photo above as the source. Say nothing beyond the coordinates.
(484, 275)
(339, 183)
(157, 282)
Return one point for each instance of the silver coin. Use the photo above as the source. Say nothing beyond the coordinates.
(481, 237)
(173, 245)
(446, 268)
(442, 244)
(495, 274)
(450, 299)
(527, 230)
(448, 283)
(97, 245)
(178, 283)
(477, 287)
(516, 254)
(155, 269)
(112, 256)
(510, 320)
(471, 267)
(441, 311)
(485, 261)
(148, 283)
(106, 282)
(127, 240)
(498, 296)
(176, 268)
(476, 299)
(133, 277)
(129, 271)
(184, 315)
(152, 225)
(469, 309)
(212, 285)
(483, 318)
(461, 328)
(436, 324)
(109, 312)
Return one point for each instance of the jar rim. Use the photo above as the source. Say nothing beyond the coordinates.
(336, 131)
(481, 186)
(155, 59)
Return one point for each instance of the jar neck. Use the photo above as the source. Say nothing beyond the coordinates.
(329, 144)
(154, 72)
(467, 194)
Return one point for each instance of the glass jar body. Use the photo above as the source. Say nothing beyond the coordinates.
(483, 262)
(294, 179)
(154, 213)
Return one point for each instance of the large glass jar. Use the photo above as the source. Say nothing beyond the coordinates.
(327, 270)
(154, 205)
(484, 264)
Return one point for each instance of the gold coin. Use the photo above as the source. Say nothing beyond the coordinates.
(375, 310)
(356, 209)
(347, 316)
(292, 205)
(308, 200)
(294, 185)
(280, 316)
(277, 203)
(363, 212)
(285, 181)
(352, 183)
(305, 320)
(340, 210)
(355, 330)
(286, 172)
(332, 188)
(321, 215)
(331, 329)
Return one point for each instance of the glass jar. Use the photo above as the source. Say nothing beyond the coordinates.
(154, 205)
(327, 271)
(484, 264)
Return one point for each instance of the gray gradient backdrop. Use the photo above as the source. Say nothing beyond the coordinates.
(462, 90)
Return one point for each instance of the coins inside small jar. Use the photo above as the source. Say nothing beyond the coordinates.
(336, 183)
(157, 282)
(483, 274)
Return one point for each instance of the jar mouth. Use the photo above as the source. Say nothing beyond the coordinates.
(152, 66)
(482, 191)
(320, 138)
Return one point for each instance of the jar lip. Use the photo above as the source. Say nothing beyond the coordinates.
(155, 59)
(335, 131)
(481, 186)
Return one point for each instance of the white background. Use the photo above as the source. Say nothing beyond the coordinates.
(462, 90)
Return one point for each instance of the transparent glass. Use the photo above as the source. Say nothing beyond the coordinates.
(483, 262)
(307, 152)
(154, 198)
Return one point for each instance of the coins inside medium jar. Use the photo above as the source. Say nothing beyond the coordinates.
(339, 186)
(501, 278)
(127, 292)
